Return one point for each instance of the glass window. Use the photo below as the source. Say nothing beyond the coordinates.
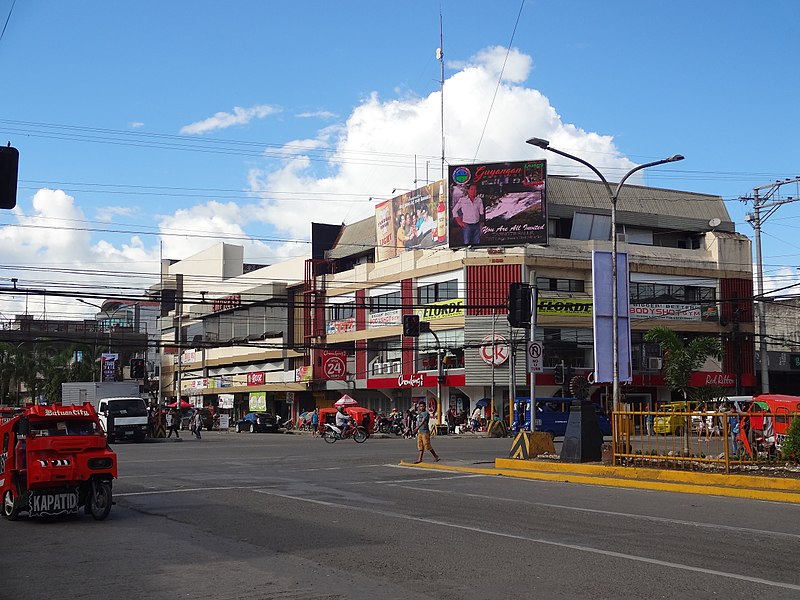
(384, 302)
(437, 292)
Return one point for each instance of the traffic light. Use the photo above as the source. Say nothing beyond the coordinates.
(519, 305)
(9, 166)
(411, 325)
(137, 368)
(559, 374)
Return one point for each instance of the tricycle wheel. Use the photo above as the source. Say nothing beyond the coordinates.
(329, 436)
(100, 499)
(11, 505)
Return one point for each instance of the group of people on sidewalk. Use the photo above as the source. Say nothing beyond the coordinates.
(174, 424)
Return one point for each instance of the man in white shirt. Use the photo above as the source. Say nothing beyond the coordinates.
(468, 212)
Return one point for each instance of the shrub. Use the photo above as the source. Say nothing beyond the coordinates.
(791, 443)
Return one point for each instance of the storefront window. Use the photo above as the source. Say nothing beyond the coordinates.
(452, 343)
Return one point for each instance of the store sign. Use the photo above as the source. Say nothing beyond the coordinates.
(226, 303)
(225, 400)
(704, 378)
(564, 307)
(304, 374)
(410, 380)
(341, 326)
(255, 378)
(258, 401)
(442, 310)
(385, 318)
(494, 350)
(334, 364)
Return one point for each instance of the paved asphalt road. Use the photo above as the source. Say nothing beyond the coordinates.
(259, 516)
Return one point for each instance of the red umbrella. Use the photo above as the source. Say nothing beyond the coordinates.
(346, 400)
(184, 405)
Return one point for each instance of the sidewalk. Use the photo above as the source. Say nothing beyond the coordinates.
(774, 489)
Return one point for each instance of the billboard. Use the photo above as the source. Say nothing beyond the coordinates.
(498, 204)
(416, 219)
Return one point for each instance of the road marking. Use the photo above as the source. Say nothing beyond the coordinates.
(609, 512)
(422, 479)
(579, 548)
(181, 490)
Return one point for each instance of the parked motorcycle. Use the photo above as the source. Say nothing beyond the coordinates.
(333, 433)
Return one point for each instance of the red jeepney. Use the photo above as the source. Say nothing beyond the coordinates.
(54, 460)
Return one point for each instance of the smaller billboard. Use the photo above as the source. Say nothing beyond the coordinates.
(416, 219)
(498, 204)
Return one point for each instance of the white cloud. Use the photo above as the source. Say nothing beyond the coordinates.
(223, 120)
(329, 178)
(320, 114)
(136, 125)
(107, 214)
(373, 152)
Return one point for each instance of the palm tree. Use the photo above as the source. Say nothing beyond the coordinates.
(681, 360)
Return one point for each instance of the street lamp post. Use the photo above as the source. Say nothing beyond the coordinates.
(613, 195)
(110, 316)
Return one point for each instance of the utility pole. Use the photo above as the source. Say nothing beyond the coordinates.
(763, 201)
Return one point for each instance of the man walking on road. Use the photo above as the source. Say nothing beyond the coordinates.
(423, 431)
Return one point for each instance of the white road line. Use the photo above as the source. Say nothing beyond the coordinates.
(650, 518)
(181, 490)
(393, 481)
(579, 548)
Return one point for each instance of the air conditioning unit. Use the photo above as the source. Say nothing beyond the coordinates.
(387, 368)
(377, 368)
(622, 238)
(397, 367)
(654, 363)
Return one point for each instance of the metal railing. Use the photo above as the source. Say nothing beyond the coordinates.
(702, 441)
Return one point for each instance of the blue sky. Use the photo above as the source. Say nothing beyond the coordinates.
(148, 123)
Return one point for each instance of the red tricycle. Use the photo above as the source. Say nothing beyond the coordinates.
(54, 460)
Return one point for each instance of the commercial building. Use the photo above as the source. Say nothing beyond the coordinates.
(304, 331)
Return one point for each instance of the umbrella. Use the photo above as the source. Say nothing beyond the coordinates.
(483, 402)
(184, 405)
(346, 400)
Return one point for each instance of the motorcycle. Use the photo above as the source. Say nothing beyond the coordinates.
(333, 433)
(397, 427)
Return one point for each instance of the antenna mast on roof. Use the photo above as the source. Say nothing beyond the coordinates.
(440, 58)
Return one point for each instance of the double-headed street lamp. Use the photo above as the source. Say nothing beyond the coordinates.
(613, 195)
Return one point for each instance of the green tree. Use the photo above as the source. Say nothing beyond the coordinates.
(790, 449)
(7, 373)
(681, 360)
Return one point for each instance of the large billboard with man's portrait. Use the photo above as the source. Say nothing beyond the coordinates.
(498, 204)
(416, 219)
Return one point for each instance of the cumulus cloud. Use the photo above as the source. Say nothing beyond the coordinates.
(50, 241)
(331, 177)
(223, 120)
(374, 150)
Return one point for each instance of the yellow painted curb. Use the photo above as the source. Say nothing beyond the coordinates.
(611, 481)
(743, 481)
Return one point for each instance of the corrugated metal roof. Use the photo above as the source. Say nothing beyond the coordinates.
(642, 206)
(646, 207)
(355, 238)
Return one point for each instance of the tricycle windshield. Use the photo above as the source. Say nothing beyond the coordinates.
(55, 427)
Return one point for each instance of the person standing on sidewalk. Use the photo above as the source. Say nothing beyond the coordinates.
(315, 423)
(174, 423)
(197, 424)
(423, 431)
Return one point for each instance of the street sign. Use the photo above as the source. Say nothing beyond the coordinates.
(535, 357)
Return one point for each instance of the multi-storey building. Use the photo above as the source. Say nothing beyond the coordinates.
(337, 325)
